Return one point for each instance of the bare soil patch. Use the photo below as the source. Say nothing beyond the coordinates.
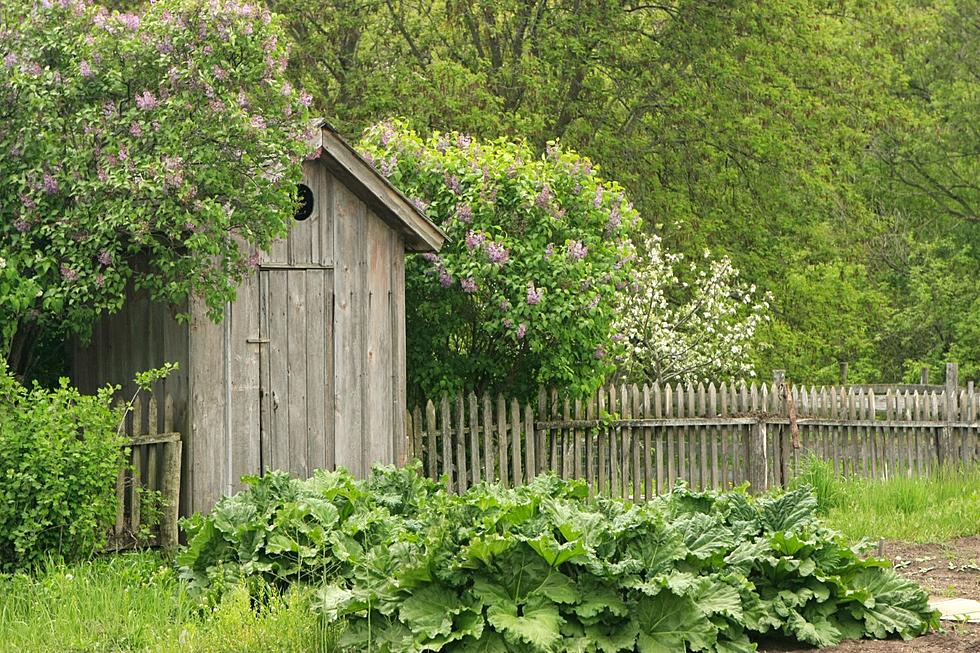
(947, 570)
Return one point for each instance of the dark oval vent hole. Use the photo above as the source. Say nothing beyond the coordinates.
(305, 196)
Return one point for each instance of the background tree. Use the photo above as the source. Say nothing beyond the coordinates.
(151, 148)
(745, 127)
(522, 294)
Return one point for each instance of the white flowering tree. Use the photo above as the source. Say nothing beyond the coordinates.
(687, 322)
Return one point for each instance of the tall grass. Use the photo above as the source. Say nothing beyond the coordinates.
(135, 602)
(933, 509)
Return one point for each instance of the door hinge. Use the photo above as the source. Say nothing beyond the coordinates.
(257, 341)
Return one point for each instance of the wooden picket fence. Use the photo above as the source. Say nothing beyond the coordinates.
(153, 451)
(634, 443)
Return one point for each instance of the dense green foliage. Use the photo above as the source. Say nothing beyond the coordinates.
(134, 602)
(524, 291)
(59, 456)
(153, 147)
(829, 149)
(543, 568)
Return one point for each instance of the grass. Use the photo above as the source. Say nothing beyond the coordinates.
(933, 509)
(135, 602)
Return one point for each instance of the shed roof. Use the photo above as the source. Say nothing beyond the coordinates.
(421, 234)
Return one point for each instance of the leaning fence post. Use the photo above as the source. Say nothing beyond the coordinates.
(952, 393)
(758, 458)
(924, 375)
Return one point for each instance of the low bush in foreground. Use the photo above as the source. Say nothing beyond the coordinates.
(134, 602)
(543, 568)
(59, 456)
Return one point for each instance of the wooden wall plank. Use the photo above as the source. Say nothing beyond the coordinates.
(243, 417)
(350, 250)
(376, 324)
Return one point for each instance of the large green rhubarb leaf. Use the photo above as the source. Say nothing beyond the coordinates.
(535, 623)
(898, 605)
(669, 623)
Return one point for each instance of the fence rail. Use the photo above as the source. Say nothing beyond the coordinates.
(633, 442)
(152, 469)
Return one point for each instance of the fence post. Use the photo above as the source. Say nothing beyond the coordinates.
(170, 488)
(782, 409)
(924, 375)
(843, 372)
(758, 458)
(952, 405)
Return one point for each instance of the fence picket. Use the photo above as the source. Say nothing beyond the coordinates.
(489, 454)
(474, 439)
(502, 443)
(459, 436)
(515, 442)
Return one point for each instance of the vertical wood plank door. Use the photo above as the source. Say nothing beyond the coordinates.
(296, 370)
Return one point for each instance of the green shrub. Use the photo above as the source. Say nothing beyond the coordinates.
(544, 568)
(59, 456)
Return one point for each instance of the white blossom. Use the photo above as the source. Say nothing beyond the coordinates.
(698, 328)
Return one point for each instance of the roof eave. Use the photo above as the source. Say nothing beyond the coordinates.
(390, 204)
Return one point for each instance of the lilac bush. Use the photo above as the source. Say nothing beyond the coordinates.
(153, 148)
(522, 294)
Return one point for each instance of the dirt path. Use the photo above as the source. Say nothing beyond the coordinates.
(945, 570)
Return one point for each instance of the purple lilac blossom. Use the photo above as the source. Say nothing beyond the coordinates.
(595, 302)
(135, 130)
(84, 69)
(468, 285)
(521, 330)
(21, 226)
(67, 273)
(505, 305)
(549, 251)
(463, 141)
(577, 251)
(544, 198)
(445, 279)
(453, 182)
(146, 101)
(614, 219)
(533, 294)
(597, 201)
(474, 240)
(599, 353)
(50, 183)
(388, 166)
(105, 258)
(465, 213)
(432, 258)
(496, 253)
(508, 322)
(258, 122)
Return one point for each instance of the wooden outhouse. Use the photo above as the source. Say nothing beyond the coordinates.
(307, 368)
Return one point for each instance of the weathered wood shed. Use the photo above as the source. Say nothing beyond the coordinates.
(307, 369)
